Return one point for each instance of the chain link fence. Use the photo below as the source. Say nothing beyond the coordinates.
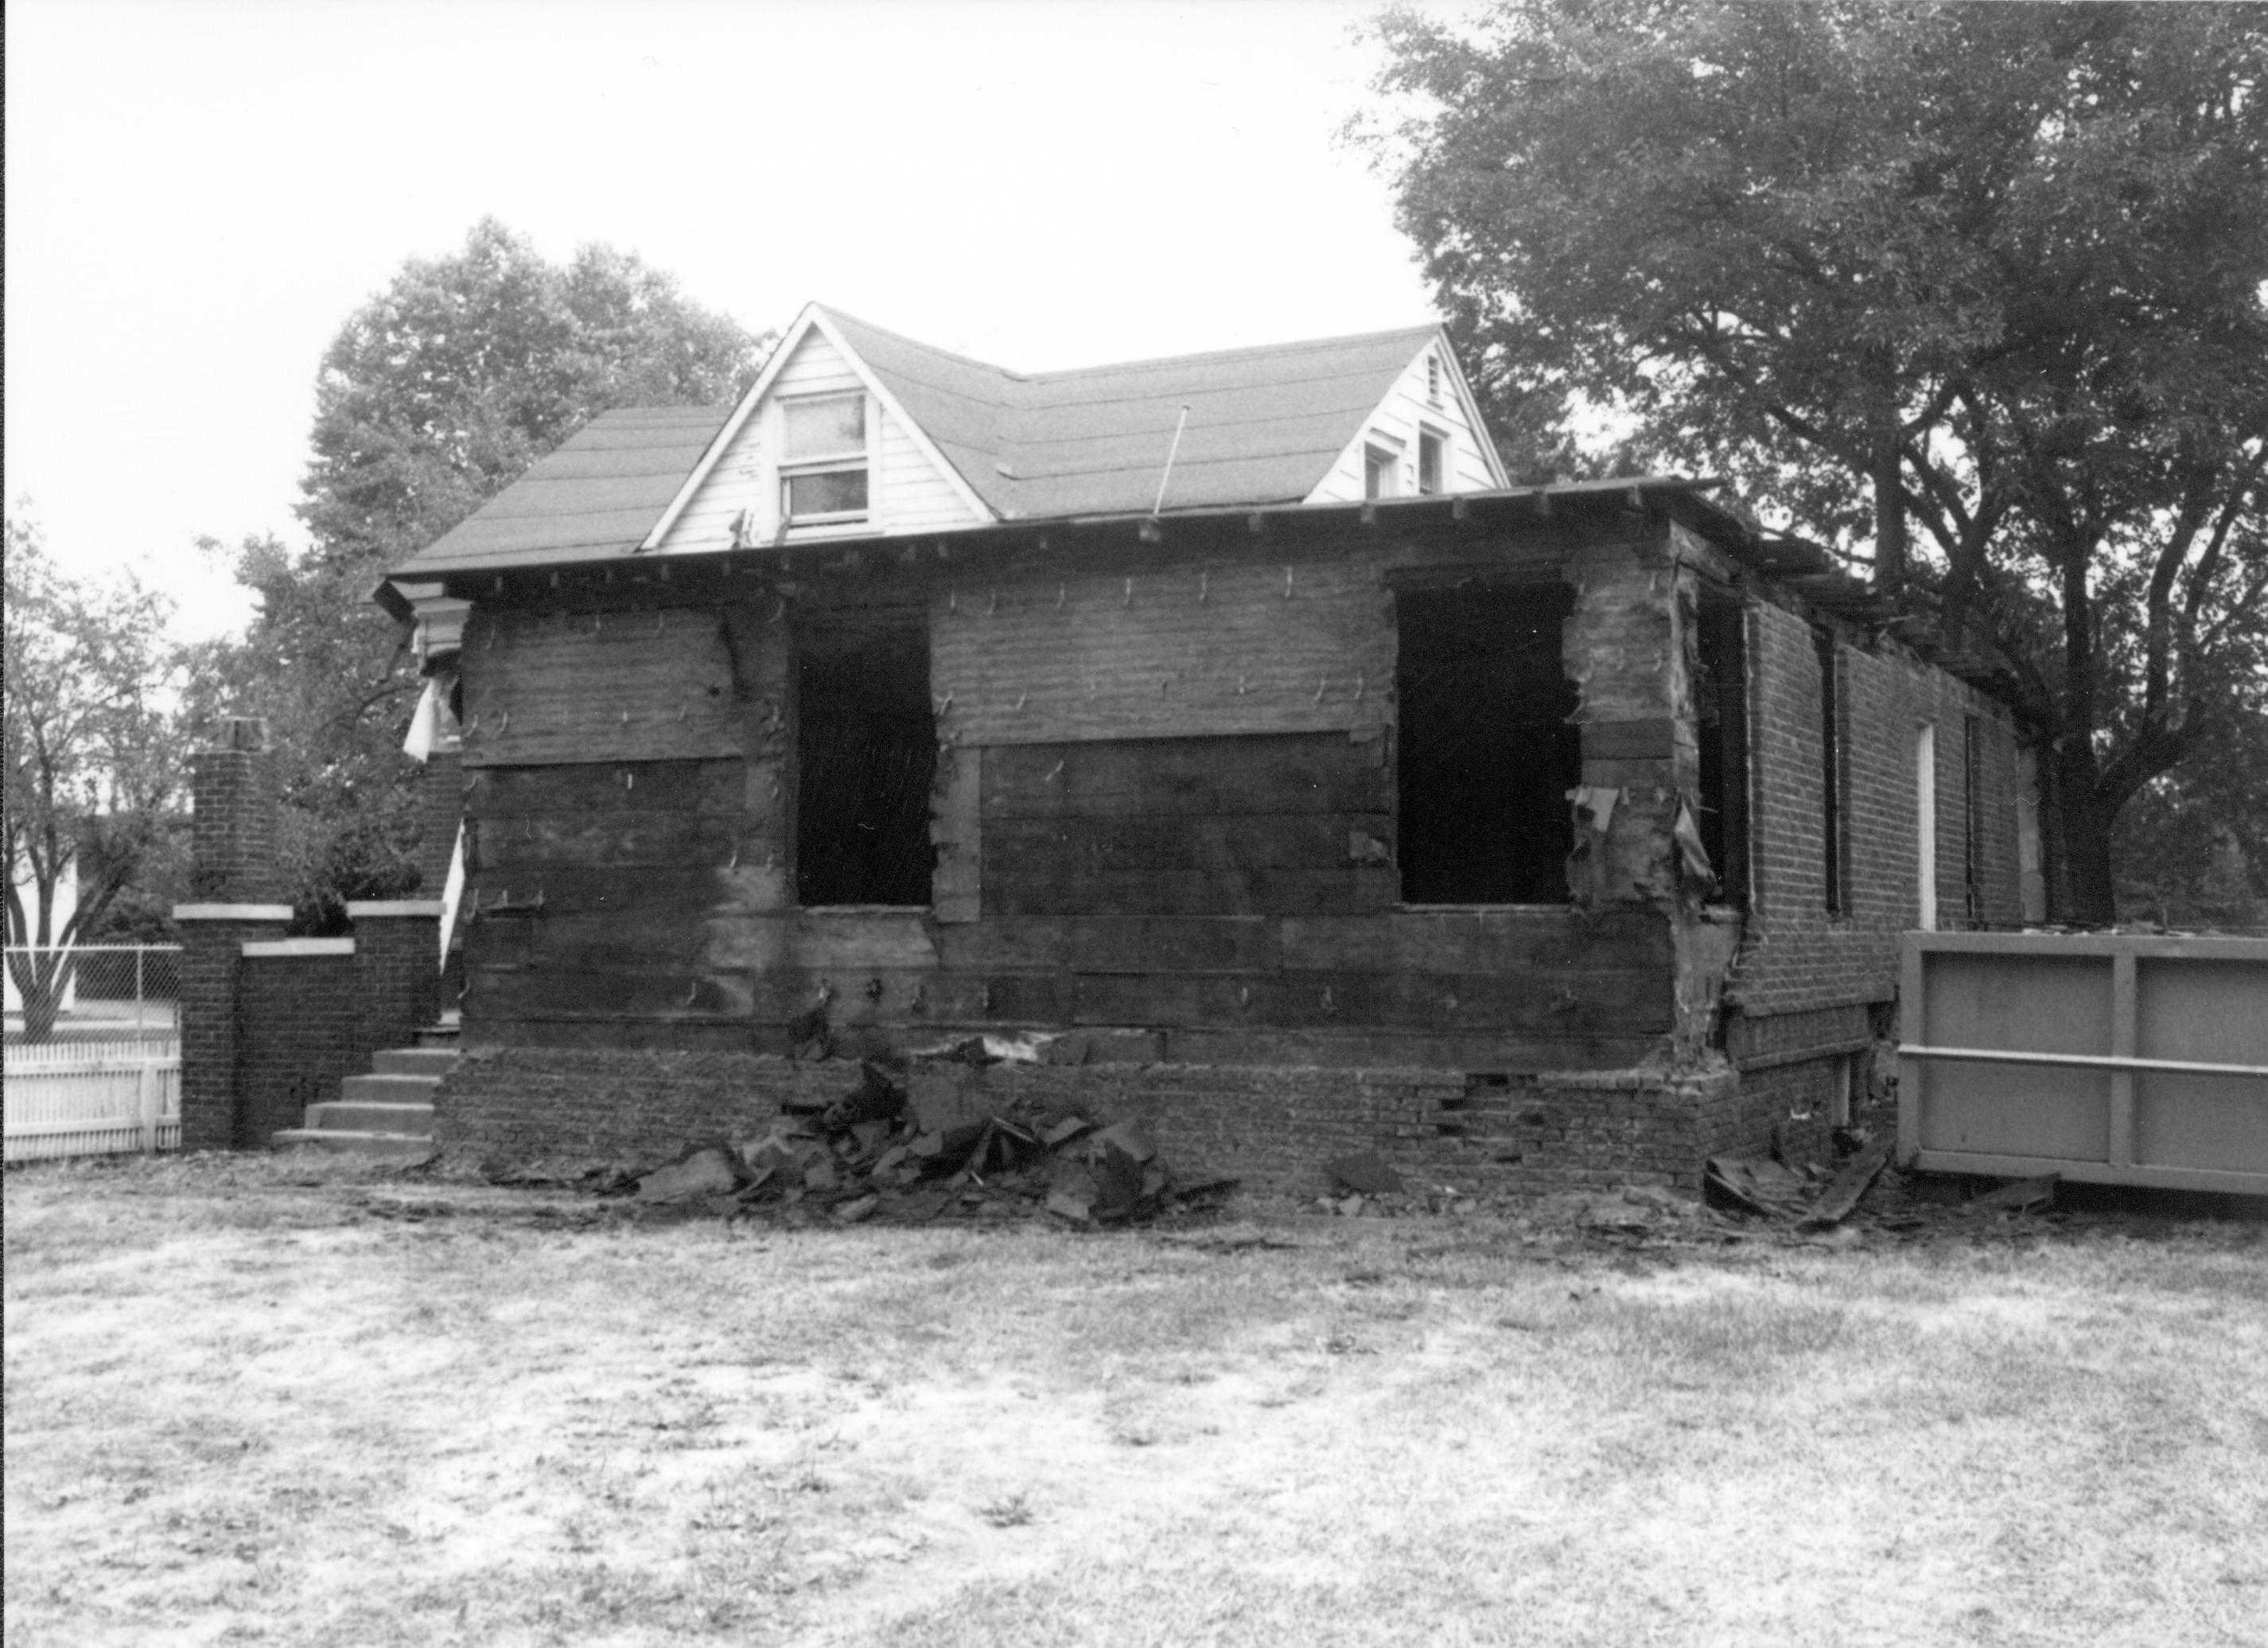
(93, 1058)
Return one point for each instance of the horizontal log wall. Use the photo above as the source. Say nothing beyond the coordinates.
(1167, 808)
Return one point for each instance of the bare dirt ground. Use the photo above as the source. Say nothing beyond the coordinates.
(291, 1400)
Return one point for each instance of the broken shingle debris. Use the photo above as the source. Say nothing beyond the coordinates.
(943, 1140)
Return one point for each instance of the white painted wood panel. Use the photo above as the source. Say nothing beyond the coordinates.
(905, 493)
(1405, 410)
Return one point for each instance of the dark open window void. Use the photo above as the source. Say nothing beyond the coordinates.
(1721, 706)
(865, 746)
(1486, 754)
(1831, 775)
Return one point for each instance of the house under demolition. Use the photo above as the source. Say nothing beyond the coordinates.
(1230, 719)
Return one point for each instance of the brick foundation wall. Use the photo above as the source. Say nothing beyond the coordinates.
(1271, 1128)
(397, 971)
(299, 1031)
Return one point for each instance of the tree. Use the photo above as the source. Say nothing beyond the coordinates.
(434, 396)
(1977, 288)
(94, 767)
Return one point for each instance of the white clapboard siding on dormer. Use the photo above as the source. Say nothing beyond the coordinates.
(1406, 410)
(915, 497)
(905, 492)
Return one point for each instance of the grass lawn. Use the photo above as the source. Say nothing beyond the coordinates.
(249, 1400)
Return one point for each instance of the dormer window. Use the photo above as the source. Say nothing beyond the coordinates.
(1381, 472)
(823, 458)
(1431, 445)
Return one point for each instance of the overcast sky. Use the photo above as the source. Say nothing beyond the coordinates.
(199, 193)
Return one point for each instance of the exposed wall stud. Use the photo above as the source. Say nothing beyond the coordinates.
(1287, 583)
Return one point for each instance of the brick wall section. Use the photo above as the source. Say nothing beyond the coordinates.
(299, 1031)
(211, 955)
(232, 823)
(440, 806)
(397, 977)
(1272, 1127)
(1804, 979)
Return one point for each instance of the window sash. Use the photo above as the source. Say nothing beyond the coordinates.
(825, 426)
(814, 493)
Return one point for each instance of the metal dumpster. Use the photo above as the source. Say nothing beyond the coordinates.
(2122, 1059)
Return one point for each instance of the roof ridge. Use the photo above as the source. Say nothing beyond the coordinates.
(1294, 346)
(927, 348)
(1143, 363)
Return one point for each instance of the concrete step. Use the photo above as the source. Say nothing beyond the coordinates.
(389, 1090)
(349, 1116)
(441, 1035)
(414, 1062)
(395, 1146)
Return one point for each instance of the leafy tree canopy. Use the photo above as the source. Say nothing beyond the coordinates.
(94, 776)
(1973, 292)
(435, 396)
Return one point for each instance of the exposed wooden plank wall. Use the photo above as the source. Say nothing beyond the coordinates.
(1224, 879)
(542, 687)
(1200, 651)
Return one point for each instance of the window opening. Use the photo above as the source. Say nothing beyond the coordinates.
(1429, 461)
(1722, 706)
(1486, 753)
(823, 458)
(1381, 472)
(865, 747)
(1830, 748)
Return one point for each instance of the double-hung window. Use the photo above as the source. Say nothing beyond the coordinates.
(823, 459)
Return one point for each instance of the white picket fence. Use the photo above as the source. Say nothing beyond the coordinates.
(108, 1078)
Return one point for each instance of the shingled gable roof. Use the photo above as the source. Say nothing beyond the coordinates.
(598, 492)
(1265, 426)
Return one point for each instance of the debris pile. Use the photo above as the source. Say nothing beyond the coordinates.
(944, 1143)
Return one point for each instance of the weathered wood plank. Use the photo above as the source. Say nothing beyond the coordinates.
(661, 893)
(1450, 943)
(565, 789)
(1181, 945)
(1654, 739)
(1019, 847)
(551, 687)
(1005, 943)
(1316, 773)
(1345, 891)
(1198, 651)
(506, 842)
(956, 828)
(584, 992)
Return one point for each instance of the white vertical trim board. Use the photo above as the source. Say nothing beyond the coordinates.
(1925, 826)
